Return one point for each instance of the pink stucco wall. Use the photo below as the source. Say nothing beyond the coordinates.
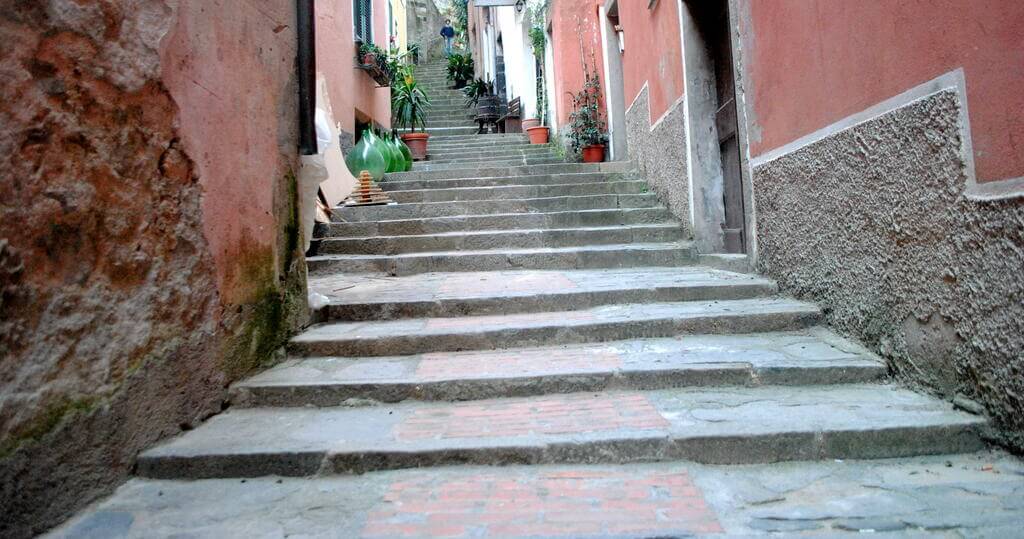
(653, 53)
(576, 38)
(232, 125)
(814, 62)
(352, 93)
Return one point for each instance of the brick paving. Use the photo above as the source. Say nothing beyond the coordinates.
(565, 503)
(557, 414)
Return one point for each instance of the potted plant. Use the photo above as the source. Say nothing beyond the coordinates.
(376, 62)
(537, 40)
(587, 132)
(414, 53)
(460, 69)
(409, 106)
(538, 134)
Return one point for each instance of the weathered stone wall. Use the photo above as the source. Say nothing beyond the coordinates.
(872, 224)
(424, 23)
(660, 154)
(148, 231)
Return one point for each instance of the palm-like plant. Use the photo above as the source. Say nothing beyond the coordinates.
(409, 103)
(475, 90)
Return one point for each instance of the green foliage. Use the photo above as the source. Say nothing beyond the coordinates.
(409, 103)
(537, 40)
(586, 122)
(461, 17)
(475, 90)
(460, 67)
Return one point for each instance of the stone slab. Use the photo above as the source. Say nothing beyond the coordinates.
(602, 323)
(490, 207)
(516, 192)
(718, 426)
(810, 357)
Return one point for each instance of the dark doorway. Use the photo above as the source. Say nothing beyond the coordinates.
(715, 150)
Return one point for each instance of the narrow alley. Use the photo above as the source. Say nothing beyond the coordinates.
(504, 276)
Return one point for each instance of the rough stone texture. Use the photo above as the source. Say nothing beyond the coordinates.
(660, 154)
(872, 224)
(114, 327)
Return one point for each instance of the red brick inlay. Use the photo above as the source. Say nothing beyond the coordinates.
(550, 504)
(501, 364)
(556, 414)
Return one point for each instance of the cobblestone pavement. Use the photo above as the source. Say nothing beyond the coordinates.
(979, 495)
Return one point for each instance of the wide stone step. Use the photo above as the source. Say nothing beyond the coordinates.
(438, 225)
(507, 192)
(373, 297)
(491, 207)
(498, 152)
(501, 239)
(505, 171)
(538, 179)
(729, 426)
(457, 164)
(812, 357)
(447, 131)
(455, 122)
(467, 147)
(551, 258)
(597, 324)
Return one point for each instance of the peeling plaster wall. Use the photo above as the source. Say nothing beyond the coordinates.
(575, 39)
(149, 239)
(660, 155)
(872, 224)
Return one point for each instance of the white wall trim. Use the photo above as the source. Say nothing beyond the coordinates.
(680, 6)
(637, 96)
(995, 190)
(671, 108)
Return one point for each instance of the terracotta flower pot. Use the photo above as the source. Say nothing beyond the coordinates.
(538, 135)
(417, 143)
(530, 122)
(593, 154)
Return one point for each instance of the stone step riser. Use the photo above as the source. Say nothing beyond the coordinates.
(541, 302)
(514, 192)
(485, 155)
(485, 207)
(582, 259)
(546, 179)
(506, 171)
(500, 222)
(483, 146)
(384, 345)
(427, 166)
(522, 239)
(718, 375)
(847, 444)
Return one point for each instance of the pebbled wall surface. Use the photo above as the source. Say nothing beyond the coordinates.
(148, 231)
(660, 155)
(871, 223)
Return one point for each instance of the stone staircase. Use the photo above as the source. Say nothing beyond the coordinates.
(511, 310)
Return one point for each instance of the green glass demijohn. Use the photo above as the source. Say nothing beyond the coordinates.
(406, 153)
(397, 159)
(366, 156)
(384, 150)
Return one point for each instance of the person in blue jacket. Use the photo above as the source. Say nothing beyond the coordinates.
(449, 34)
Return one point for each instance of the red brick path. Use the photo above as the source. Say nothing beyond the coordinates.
(555, 414)
(549, 504)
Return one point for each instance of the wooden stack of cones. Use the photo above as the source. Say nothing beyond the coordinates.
(367, 193)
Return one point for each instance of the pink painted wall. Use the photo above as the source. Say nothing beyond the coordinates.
(814, 62)
(572, 19)
(231, 124)
(352, 92)
(653, 53)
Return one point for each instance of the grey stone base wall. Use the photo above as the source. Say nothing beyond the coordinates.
(660, 155)
(872, 224)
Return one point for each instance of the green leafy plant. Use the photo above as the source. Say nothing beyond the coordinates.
(537, 40)
(460, 67)
(409, 103)
(475, 90)
(586, 122)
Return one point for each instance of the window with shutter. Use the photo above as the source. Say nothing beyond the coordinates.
(362, 20)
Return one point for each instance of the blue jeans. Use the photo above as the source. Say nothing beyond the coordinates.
(447, 46)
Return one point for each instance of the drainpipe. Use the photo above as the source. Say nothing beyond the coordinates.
(307, 76)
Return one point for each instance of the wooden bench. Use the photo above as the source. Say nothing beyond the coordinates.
(512, 121)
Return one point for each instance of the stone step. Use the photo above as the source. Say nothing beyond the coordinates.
(537, 179)
(473, 137)
(447, 131)
(484, 154)
(597, 324)
(470, 146)
(707, 425)
(489, 207)
(510, 192)
(506, 171)
(811, 357)
(470, 163)
(508, 221)
(501, 239)
(552, 258)
(374, 297)
(433, 123)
